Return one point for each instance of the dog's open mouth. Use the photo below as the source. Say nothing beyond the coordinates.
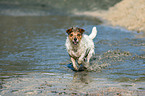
(75, 43)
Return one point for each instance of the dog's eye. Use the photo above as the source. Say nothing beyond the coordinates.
(71, 35)
(78, 34)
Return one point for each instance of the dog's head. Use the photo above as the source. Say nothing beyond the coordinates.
(75, 34)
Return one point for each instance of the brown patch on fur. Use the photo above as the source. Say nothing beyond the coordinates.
(69, 31)
(75, 29)
(81, 31)
(75, 34)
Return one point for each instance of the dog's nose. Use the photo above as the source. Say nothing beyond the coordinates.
(75, 39)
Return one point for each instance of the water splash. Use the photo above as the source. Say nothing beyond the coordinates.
(104, 60)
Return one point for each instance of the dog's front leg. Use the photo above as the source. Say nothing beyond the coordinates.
(74, 63)
(81, 58)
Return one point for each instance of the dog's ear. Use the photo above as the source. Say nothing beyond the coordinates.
(69, 31)
(81, 31)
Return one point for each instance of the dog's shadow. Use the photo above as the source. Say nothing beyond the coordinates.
(81, 68)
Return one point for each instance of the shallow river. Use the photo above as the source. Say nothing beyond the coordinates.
(33, 46)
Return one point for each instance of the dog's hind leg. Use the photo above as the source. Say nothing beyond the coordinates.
(74, 64)
(90, 54)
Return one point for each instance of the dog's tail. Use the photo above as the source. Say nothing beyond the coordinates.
(94, 33)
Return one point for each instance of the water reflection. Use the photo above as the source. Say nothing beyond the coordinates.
(82, 77)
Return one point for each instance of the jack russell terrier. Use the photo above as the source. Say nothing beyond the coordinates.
(80, 47)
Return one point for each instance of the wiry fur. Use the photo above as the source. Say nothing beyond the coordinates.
(83, 51)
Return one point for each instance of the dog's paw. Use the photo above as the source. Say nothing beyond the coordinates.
(86, 64)
(79, 62)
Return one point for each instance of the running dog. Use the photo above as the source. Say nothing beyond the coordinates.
(80, 47)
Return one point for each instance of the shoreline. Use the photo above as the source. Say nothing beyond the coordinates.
(129, 14)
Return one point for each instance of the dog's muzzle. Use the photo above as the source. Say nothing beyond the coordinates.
(75, 41)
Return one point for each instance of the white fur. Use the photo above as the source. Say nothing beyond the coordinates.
(85, 47)
(94, 33)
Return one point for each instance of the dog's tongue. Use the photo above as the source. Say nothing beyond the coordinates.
(75, 43)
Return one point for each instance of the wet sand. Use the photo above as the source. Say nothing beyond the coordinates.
(50, 84)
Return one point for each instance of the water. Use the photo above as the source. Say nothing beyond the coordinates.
(32, 49)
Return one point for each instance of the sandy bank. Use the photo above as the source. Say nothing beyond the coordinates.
(127, 13)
